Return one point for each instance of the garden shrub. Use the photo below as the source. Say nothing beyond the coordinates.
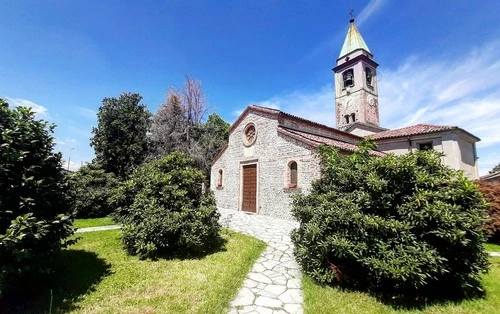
(399, 226)
(492, 194)
(91, 189)
(34, 223)
(164, 211)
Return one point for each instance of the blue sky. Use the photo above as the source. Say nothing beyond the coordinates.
(439, 60)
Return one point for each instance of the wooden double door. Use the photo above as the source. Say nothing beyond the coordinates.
(249, 189)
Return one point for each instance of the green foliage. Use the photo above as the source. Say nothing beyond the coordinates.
(91, 189)
(163, 209)
(33, 202)
(399, 226)
(215, 135)
(120, 140)
(178, 126)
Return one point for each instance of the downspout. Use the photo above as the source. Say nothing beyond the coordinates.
(409, 144)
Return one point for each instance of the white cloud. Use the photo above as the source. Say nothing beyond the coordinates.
(464, 91)
(331, 45)
(73, 165)
(371, 8)
(86, 112)
(66, 141)
(20, 102)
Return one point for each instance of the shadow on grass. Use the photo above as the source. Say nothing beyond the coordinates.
(439, 296)
(77, 272)
(216, 247)
(422, 302)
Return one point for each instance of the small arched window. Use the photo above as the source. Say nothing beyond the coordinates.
(346, 118)
(219, 179)
(353, 116)
(293, 174)
(348, 77)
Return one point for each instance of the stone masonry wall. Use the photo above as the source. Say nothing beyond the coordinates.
(272, 153)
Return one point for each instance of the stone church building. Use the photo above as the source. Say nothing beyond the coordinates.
(270, 153)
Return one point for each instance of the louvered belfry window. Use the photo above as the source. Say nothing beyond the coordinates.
(348, 77)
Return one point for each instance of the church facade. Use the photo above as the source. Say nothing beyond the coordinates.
(270, 153)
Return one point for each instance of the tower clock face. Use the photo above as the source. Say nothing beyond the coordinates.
(372, 101)
(349, 105)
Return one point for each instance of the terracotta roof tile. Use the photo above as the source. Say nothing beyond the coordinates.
(413, 130)
(289, 116)
(314, 140)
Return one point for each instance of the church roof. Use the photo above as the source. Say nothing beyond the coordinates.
(353, 41)
(282, 116)
(417, 130)
(315, 140)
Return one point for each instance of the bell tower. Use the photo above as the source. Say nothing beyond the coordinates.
(356, 90)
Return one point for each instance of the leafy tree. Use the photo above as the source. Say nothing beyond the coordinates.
(164, 211)
(215, 135)
(34, 224)
(91, 189)
(120, 138)
(178, 126)
(491, 192)
(400, 226)
(495, 169)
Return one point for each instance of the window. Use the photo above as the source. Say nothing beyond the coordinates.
(369, 76)
(293, 174)
(346, 118)
(219, 179)
(348, 77)
(353, 116)
(425, 146)
(249, 134)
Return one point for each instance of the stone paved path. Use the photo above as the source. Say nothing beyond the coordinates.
(273, 285)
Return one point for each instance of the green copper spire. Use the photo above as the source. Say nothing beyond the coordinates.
(353, 41)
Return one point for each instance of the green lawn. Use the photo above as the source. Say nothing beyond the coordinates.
(93, 222)
(320, 300)
(490, 247)
(98, 277)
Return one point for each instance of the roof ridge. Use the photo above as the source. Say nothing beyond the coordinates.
(339, 144)
(278, 111)
(418, 129)
(315, 134)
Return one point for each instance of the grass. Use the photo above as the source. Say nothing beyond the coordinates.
(318, 299)
(93, 222)
(491, 247)
(96, 276)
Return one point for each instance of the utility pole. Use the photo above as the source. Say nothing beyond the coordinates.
(69, 157)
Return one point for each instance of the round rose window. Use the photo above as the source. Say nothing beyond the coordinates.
(249, 134)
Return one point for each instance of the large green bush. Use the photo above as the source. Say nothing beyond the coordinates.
(399, 226)
(33, 203)
(91, 189)
(164, 211)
